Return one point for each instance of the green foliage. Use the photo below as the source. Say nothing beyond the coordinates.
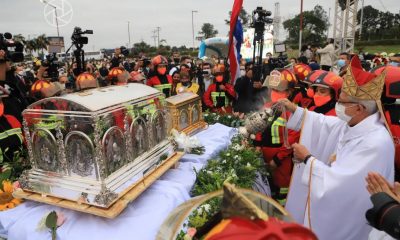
(225, 119)
(244, 17)
(11, 169)
(378, 25)
(315, 24)
(51, 223)
(237, 165)
(208, 31)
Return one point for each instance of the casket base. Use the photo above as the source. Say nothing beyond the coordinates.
(130, 194)
(195, 128)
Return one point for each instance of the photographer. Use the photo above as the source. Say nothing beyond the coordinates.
(15, 102)
(249, 92)
(327, 54)
(385, 213)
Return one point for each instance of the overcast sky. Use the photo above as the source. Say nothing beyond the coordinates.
(109, 19)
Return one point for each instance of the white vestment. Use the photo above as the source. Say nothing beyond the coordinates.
(338, 194)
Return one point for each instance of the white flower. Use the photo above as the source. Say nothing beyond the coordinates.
(209, 172)
(207, 207)
(228, 154)
(229, 116)
(224, 162)
(200, 211)
(248, 165)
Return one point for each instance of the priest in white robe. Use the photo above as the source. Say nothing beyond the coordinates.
(335, 154)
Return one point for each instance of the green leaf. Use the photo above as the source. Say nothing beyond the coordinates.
(51, 220)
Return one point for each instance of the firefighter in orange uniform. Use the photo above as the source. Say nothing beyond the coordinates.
(391, 92)
(161, 81)
(301, 71)
(220, 94)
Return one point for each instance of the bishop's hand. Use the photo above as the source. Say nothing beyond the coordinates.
(300, 152)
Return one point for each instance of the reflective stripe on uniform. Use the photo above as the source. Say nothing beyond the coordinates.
(10, 132)
(279, 122)
(161, 87)
(214, 96)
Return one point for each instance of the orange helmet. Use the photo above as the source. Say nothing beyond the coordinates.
(85, 81)
(301, 70)
(280, 80)
(392, 80)
(157, 60)
(239, 228)
(115, 72)
(45, 89)
(329, 80)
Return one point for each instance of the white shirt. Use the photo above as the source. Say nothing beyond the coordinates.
(338, 196)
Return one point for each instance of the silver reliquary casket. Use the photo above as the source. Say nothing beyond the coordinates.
(92, 146)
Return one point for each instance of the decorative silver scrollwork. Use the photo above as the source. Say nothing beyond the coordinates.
(105, 197)
(128, 140)
(158, 126)
(61, 150)
(24, 180)
(29, 143)
(99, 158)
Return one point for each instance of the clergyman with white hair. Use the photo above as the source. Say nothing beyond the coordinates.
(335, 154)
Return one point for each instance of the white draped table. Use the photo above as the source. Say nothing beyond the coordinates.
(140, 220)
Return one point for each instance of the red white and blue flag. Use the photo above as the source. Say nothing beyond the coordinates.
(235, 40)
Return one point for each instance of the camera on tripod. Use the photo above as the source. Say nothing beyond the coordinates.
(260, 17)
(77, 37)
(52, 64)
(6, 42)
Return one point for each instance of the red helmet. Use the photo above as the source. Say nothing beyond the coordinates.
(330, 80)
(157, 60)
(301, 70)
(239, 228)
(392, 80)
(312, 76)
(85, 81)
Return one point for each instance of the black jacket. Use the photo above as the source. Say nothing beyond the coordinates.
(249, 98)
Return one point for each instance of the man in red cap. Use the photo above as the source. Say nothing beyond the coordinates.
(335, 156)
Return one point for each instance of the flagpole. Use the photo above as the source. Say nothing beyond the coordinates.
(301, 27)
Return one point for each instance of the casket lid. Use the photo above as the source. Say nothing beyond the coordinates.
(181, 98)
(101, 98)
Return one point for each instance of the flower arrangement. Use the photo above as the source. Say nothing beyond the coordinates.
(52, 221)
(238, 164)
(7, 201)
(225, 119)
(187, 144)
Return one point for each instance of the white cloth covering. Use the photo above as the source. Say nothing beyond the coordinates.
(338, 197)
(140, 220)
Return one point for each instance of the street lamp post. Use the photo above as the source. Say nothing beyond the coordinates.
(55, 13)
(129, 35)
(193, 11)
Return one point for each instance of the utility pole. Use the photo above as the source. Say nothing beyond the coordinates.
(158, 36)
(154, 36)
(129, 35)
(329, 24)
(193, 11)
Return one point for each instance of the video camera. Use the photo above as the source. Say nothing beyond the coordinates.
(385, 214)
(278, 62)
(124, 51)
(77, 38)
(260, 17)
(52, 64)
(6, 42)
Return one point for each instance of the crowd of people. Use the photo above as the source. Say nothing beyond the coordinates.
(326, 140)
